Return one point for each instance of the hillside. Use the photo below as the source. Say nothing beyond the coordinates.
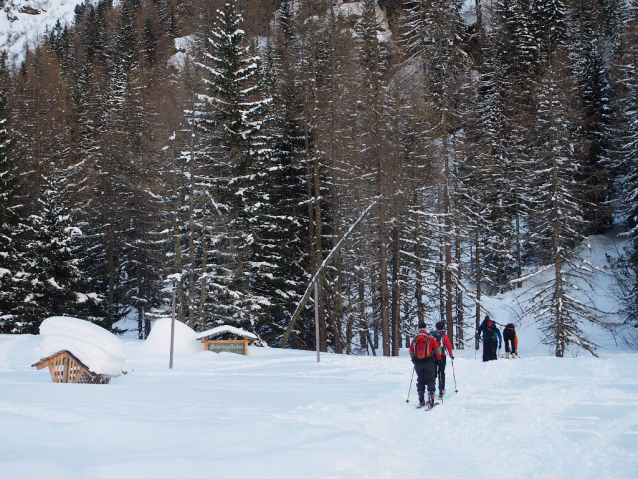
(23, 22)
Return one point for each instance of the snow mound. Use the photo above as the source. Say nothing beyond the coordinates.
(159, 340)
(226, 329)
(101, 351)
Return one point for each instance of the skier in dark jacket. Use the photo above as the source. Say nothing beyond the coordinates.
(423, 351)
(491, 338)
(511, 340)
(445, 343)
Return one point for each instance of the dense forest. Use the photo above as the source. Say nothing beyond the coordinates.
(229, 146)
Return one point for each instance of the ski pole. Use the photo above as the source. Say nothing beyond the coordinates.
(409, 390)
(454, 374)
(518, 356)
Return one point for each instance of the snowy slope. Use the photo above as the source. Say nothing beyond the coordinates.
(279, 414)
(513, 306)
(19, 23)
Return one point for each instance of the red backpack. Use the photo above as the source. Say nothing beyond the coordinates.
(422, 347)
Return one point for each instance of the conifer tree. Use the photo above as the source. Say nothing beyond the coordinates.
(556, 222)
(52, 282)
(12, 232)
(281, 226)
(625, 162)
(233, 149)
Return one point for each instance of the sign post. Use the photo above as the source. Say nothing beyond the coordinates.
(318, 339)
(170, 364)
(174, 279)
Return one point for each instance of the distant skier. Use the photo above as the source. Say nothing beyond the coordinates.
(511, 341)
(423, 351)
(491, 338)
(444, 342)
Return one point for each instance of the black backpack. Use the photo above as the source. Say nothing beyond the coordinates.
(438, 335)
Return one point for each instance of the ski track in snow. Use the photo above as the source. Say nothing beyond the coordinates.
(279, 414)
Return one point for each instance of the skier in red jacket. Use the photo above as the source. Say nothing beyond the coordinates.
(444, 341)
(423, 351)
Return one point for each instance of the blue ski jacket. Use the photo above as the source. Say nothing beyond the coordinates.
(489, 332)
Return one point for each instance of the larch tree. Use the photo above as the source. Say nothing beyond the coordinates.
(434, 37)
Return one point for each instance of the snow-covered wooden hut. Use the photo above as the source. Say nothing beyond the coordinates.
(226, 339)
(77, 351)
(64, 367)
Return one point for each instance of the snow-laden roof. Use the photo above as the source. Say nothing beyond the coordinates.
(101, 351)
(226, 329)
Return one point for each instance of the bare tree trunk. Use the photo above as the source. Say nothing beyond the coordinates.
(191, 231)
(375, 320)
(556, 246)
(385, 320)
(519, 271)
(459, 272)
(478, 284)
(319, 254)
(350, 323)
(203, 280)
(396, 293)
(420, 309)
(447, 236)
(363, 323)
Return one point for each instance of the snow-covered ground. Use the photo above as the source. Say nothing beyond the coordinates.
(279, 414)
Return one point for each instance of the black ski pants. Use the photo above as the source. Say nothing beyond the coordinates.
(425, 376)
(489, 348)
(440, 372)
(507, 344)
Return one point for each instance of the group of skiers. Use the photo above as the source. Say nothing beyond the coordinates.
(428, 354)
(429, 361)
(491, 337)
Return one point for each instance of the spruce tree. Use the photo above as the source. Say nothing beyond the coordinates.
(281, 226)
(235, 154)
(52, 282)
(12, 232)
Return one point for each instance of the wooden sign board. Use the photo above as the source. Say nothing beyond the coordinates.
(227, 346)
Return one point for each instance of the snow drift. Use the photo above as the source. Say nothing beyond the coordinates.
(159, 340)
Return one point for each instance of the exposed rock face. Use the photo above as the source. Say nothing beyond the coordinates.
(29, 10)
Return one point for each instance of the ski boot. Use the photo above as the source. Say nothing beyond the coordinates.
(431, 399)
(441, 393)
(507, 355)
